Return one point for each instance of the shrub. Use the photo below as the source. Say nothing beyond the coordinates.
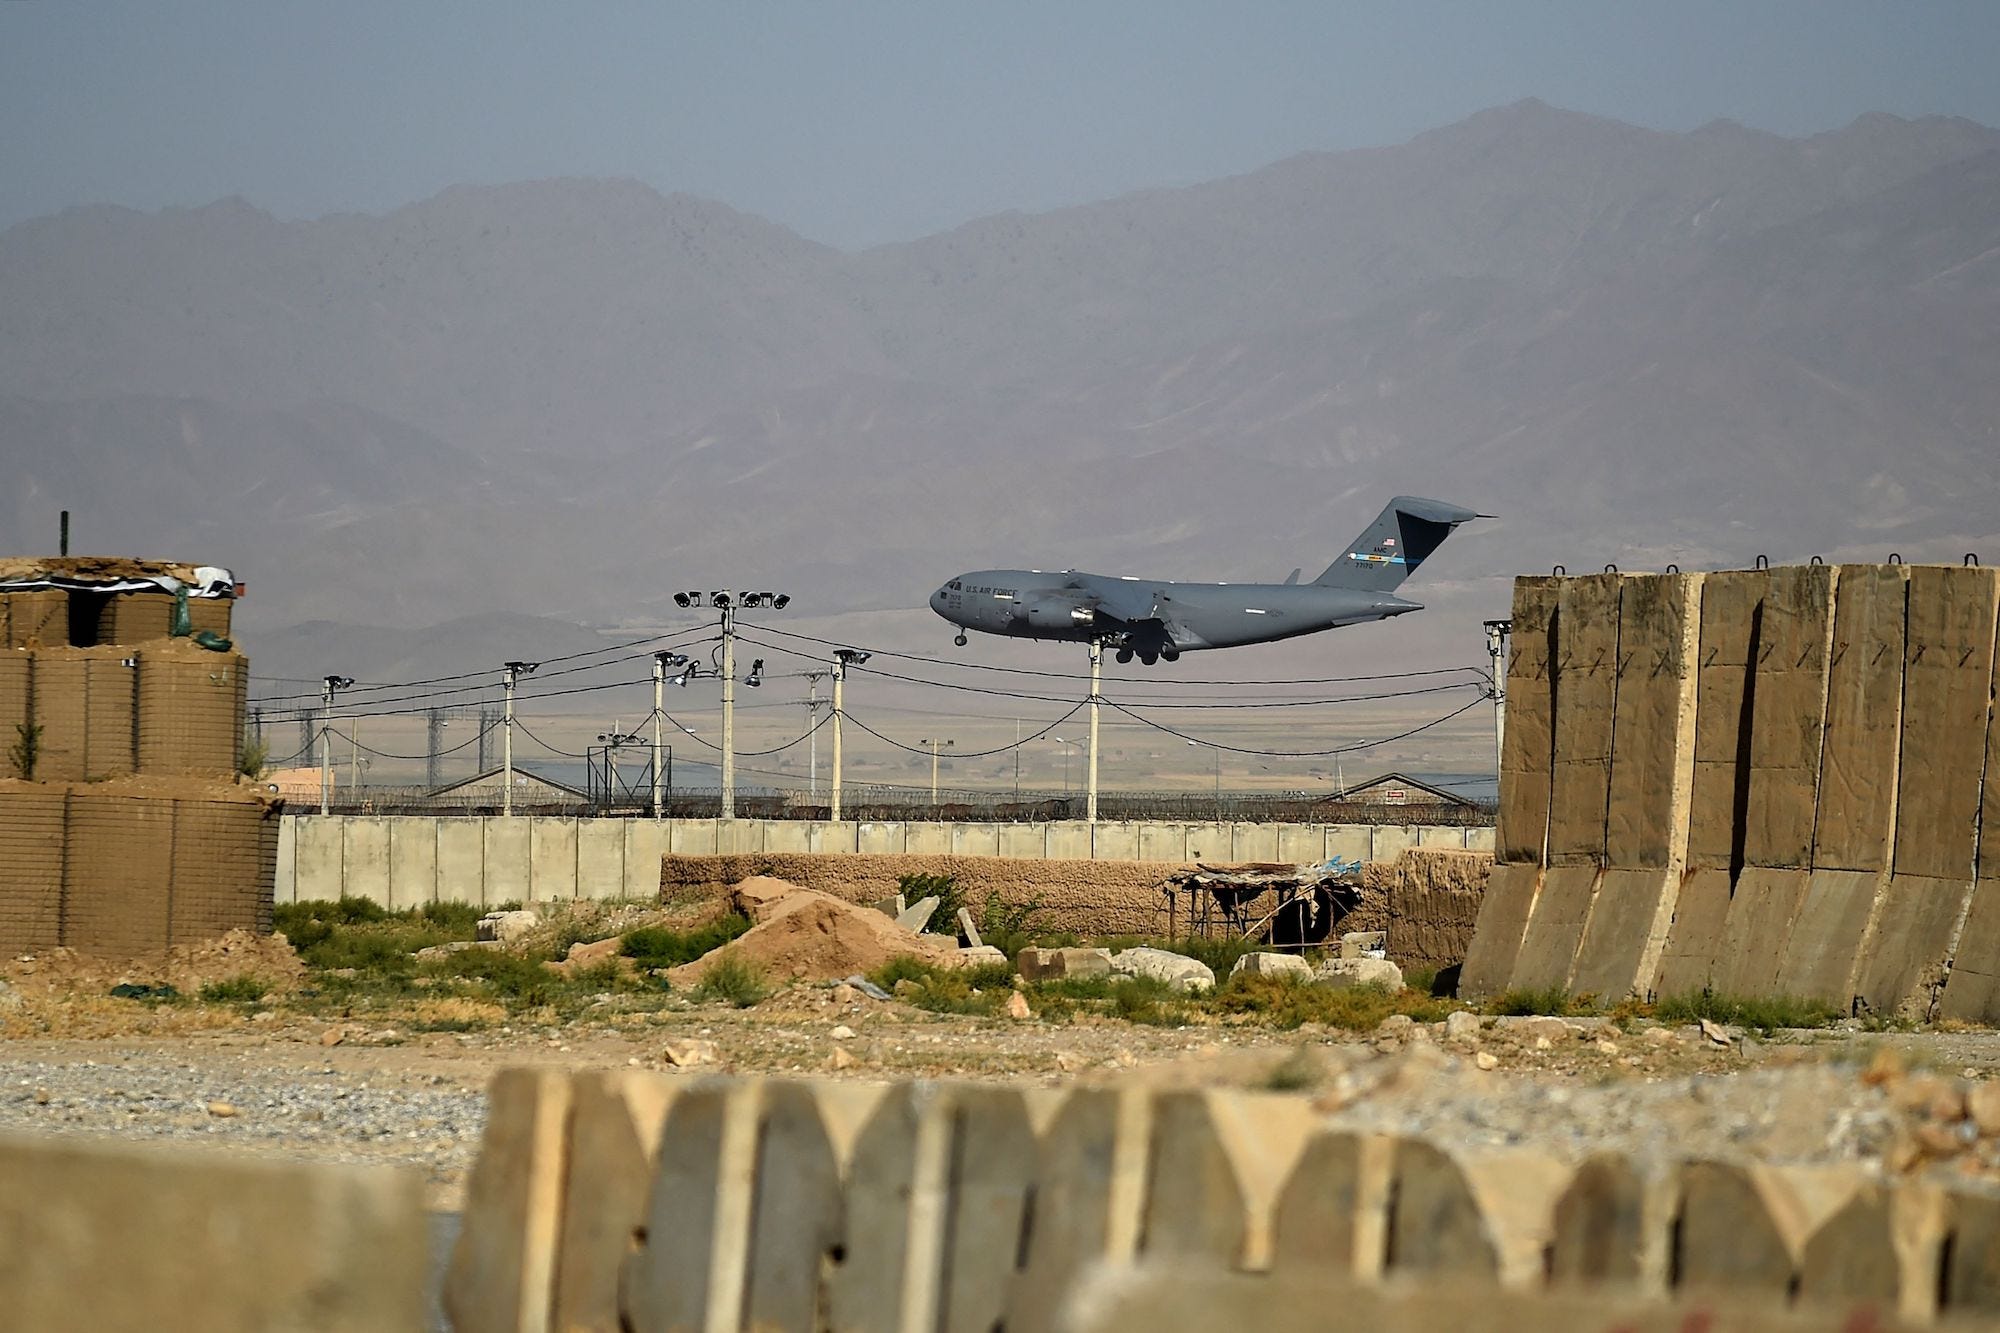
(502, 974)
(1762, 1015)
(658, 947)
(1005, 925)
(240, 989)
(26, 751)
(915, 888)
(1290, 1001)
(731, 980)
(1553, 1001)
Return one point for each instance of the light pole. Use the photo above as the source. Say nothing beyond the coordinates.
(1065, 744)
(934, 743)
(1096, 678)
(727, 602)
(813, 678)
(330, 685)
(611, 740)
(843, 658)
(1498, 632)
(1218, 771)
(514, 670)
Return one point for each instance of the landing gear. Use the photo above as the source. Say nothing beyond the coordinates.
(1170, 655)
(1149, 658)
(1124, 655)
(960, 641)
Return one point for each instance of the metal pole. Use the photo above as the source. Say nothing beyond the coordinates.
(354, 754)
(1497, 633)
(611, 769)
(659, 714)
(839, 679)
(325, 748)
(507, 744)
(1096, 676)
(1017, 759)
(729, 712)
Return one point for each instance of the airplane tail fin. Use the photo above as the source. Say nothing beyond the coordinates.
(1392, 547)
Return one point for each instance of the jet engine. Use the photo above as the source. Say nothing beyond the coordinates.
(1055, 613)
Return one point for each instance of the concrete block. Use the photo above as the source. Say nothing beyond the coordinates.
(461, 861)
(1363, 943)
(364, 857)
(413, 841)
(1219, 1163)
(1054, 964)
(317, 850)
(1176, 970)
(1350, 842)
(1971, 1285)
(1528, 744)
(1910, 939)
(1496, 940)
(828, 837)
(1583, 693)
(1555, 928)
(1253, 842)
(1793, 641)
(1301, 844)
(1023, 841)
(1489, 1215)
(739, 837)
(1333, 1214)
(502, 1272)
(994, 1160)
(115, 1237)
(551, 859)
(920, 839)
(1163, 842)
(1972, 992)
(901, 1149)
(796, 1212)
(1729, 1239)
(1947, 688)
(697, 1214)
(1652, 761)
(975, 840)
(1757, 929)
(614, 1133)
(1068, 840)
(1612, 1226)
(880, 839)
(1854, 1255)
(1272, 965)
(284, 882)
(1089, 1185)
(1389, 841)
(917, 916)
(645, 844)
(1824, 948)
(1115, 842)
(1626, 935)
(694, 837)
(1731, 603)
(787, 835)
(1479, 838)
(507, 851)
(600, 859)
(1864, 710)
(1446, 836)
(1688, 964)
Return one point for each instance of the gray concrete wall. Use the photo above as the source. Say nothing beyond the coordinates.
(407, 861)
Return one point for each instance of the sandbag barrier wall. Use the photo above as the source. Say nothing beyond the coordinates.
(402, 861)
(110, 712)
(622, 1199)
(1757, 782)
(106, 868)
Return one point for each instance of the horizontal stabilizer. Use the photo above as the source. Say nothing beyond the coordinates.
(1399, 540)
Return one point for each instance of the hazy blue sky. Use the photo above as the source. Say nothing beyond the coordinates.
(857, 123)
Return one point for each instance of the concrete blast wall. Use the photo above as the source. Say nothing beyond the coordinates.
(1801, 762)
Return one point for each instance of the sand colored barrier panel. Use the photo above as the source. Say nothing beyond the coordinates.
(1731, 616)
(34, 619)
(1972, 992)
(1822, 952)
(502, 1273)
(1652, 760)
(1864, 710)
(31, 865)
(15, 673)
(1788, 715)
(118, 1239)
(1556, 928)
(1333, 1216)
(83, 700)
(1503, 922)
(1701, 911)
(1626, 935)
(1528, 743)
(191, 708)
(1583, 689)
(1757, 930)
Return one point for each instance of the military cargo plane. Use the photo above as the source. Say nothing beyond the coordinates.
(1153, 619)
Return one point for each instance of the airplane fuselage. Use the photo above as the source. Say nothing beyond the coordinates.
(1158, 616)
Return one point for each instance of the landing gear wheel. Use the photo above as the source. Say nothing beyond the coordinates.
(1169, 655)
(1124, 655)
(960, 641)
(1149, 658)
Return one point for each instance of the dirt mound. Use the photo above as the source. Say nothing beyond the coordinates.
(806, 935)
(185, 967)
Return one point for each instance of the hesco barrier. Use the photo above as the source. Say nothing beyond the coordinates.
(132, 866)
(191, 708)
(405, 861)
(629, 1200)
(34, 619)
(83, 701)
(1756, 782)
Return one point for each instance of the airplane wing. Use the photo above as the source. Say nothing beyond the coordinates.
(1121, 599)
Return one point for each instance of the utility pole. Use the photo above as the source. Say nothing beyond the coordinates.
(843, 658)
(1096, 677)
(489, 722)
(813, 679)
(1498, 632)
(1017, 759)
(328, 686)
(659, 716)
(434, 737)
(934, 742)
(514, 670)
(727, 603)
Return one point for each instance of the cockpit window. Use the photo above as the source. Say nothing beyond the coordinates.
(953, 585)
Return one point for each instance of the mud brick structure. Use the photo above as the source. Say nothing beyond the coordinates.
(129, 829)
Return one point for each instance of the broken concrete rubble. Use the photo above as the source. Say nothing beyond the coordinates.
(1344, 972)
(1177, 970)
(506, 928)
(1055, 964)
(1272, 965)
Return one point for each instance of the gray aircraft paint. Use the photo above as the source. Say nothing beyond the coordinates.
(1155, 618)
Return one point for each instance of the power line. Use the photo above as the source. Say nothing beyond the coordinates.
(1301, 754)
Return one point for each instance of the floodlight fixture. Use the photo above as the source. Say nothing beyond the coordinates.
(523, 668)
(723, 600)
(339, 683)
(684, 598)
(781, 600)
(848, 657)
(756, 676)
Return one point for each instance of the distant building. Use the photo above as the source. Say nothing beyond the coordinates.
(1399, 789)
(298, 784)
